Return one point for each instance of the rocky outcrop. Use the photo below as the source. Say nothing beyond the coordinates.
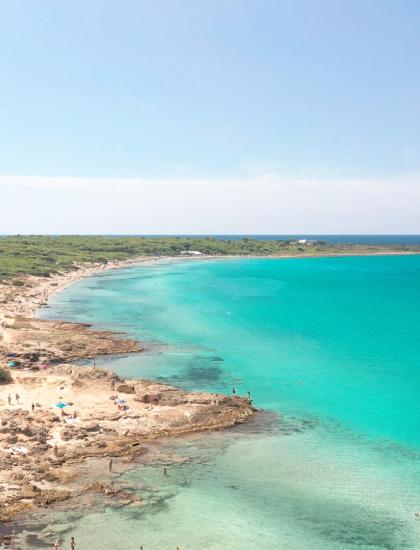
(41, 452)
(35, 340)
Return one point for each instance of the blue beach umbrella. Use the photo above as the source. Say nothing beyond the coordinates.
(61, 405)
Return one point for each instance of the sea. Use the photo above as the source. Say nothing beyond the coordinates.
(329, 349)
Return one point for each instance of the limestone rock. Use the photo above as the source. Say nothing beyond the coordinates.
(125, 388)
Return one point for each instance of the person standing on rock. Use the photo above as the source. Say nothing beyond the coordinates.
(110, 464)
(73, 544)
(233, 391)
(17, 397)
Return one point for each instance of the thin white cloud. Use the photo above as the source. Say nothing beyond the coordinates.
(262, 202)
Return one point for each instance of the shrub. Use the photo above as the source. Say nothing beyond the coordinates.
(4, 375)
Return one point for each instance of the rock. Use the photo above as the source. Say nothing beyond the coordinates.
(92, 427)
(67, 433)
(125, 388)
(149, 398)
(27, 430)
(173, 398)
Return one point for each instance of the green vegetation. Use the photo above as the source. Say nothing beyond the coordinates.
(42, 255)
(4, 375)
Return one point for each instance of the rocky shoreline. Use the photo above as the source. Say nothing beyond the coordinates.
(55, 417)
(42, 447)
(30, 341)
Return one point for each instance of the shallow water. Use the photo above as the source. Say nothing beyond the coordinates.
(330, 344)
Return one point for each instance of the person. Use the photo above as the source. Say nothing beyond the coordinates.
(249, 395)
(112, 384)
(33, 407)
(17, 396)
(9, 399)
(73, 544)
(110, 464)
(233, 391)
(56, 545)
(165, 472)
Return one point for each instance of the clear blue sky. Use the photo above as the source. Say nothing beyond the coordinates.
(210, 89)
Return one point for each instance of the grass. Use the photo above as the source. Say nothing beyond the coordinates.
(45, 255)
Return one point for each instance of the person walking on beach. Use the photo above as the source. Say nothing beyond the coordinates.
(73, 544)
(110, 464)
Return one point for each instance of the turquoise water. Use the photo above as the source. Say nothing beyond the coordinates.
(331, 345)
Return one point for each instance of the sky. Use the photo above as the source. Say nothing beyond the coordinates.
(221, 116)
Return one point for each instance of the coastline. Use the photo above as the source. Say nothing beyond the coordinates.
(42, 450)
(174, 413)
(20, 303)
